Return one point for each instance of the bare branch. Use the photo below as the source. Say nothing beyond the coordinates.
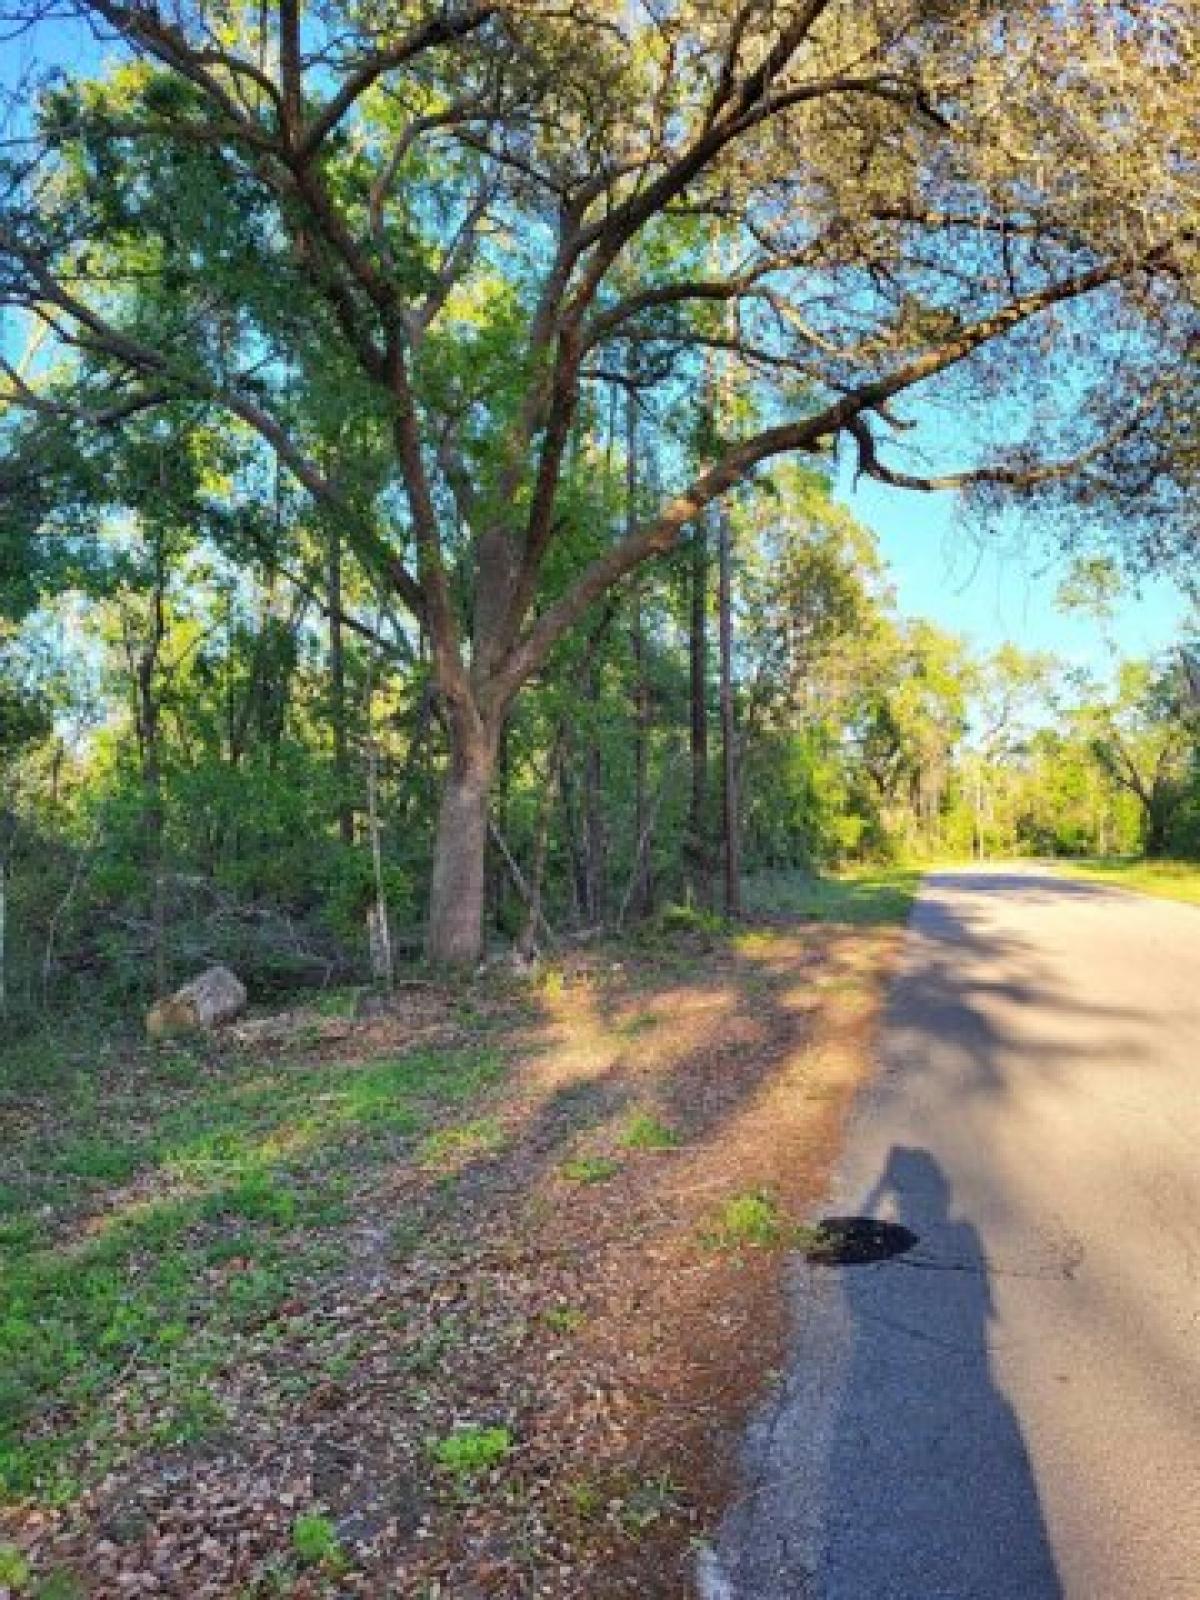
(441, 30)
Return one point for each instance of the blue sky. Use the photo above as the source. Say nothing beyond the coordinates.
(1001, 588)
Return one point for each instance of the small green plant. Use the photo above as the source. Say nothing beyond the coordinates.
(14, 1569)
(468, 1452)
(59, 1586)
(336, 1002)
(648, 1502)
(425, 1357)
(689, 919)
(586, 1497)
(590, 1169)
(258, 1197)
(646, 1132)
(632, 1027)
(454, 1147)
(99, 1160)
(553, 982)
(564, 1319)
(406, 1238)
(315, 1542)
(751, 1218)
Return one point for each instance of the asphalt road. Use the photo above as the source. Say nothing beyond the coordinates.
(1010, 1411)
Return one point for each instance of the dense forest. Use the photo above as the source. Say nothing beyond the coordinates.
(208, 762)
(418, 440)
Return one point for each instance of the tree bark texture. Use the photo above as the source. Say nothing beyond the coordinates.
(455, 933)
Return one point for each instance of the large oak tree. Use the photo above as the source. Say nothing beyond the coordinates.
(400, 245)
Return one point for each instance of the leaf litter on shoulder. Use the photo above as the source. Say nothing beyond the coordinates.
(382, 1251)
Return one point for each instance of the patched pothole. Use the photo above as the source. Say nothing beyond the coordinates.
(856, 1241)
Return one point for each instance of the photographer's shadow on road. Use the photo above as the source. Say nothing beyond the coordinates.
(930, 1491)
(911, 1479)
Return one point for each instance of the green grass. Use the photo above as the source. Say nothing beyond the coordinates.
(451, 1148)
(469, 1452)
(564, 1319)
(136, 1259)
(647, 1132)
(589, 1169)
(752, 1218)
(315, 1542)
(14, 1569)
(1168, 880)
(862, 896)
(633, 1027)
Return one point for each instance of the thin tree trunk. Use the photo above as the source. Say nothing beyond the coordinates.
(541, 841)
(697, 826)
(572, 834)
(60, 912)
(644, 843)
(595, 841)
(732, 841)
(4, 935)
(148, 721)
(642, 894)
(381, 929)
(528, 892)
(337, 691)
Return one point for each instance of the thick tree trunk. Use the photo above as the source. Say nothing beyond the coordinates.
(1157, 830)
(455, 934)
(497, 878)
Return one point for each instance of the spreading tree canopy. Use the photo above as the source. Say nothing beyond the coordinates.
(401, 247)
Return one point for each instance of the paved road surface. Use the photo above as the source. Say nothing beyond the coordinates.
(1012, 1410)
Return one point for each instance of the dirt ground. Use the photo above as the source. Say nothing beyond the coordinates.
(575, 1276)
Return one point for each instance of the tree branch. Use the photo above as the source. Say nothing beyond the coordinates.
(660, 535)
(444, 29)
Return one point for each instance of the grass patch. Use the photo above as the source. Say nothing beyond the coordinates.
(1166, 880)
(334, 1002)
(633, 1027)
(860, 897)
(647, 1132)
(564, 1319)
(690, 919)
(752, 1218)
(468, 1453)
(451, 1148)
(241, 1168)
(590, 1169)
(239, 1252)
(316, 1544)
(14, 1569)
(648, 1502)
(59, 1586)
